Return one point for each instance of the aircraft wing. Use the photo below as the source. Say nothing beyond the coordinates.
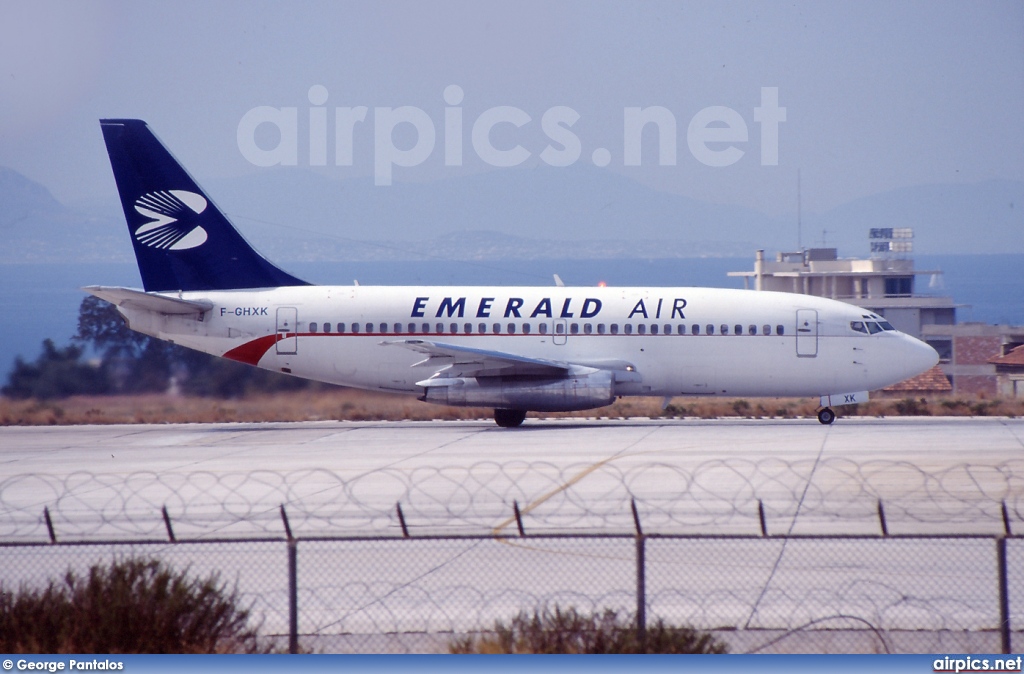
(138, 299)
(464, 361)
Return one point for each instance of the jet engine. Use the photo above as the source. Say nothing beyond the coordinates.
(539, 394)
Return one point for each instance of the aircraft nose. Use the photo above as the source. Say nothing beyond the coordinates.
(916, 357)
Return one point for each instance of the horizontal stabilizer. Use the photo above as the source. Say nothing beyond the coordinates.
(132, 298)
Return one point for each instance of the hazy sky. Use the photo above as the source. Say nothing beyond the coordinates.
(877, 95)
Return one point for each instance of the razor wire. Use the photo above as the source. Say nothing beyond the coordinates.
(719, 496)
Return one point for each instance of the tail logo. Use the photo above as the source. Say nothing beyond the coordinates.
(173, 224)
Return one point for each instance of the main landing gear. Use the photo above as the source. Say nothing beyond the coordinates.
(826, 415)
(509, 418)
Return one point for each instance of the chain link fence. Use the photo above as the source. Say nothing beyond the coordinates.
(776, 594)
(878, 556)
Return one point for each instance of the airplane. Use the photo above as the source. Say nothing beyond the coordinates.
(513, 349)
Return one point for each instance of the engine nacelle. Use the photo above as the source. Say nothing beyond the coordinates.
(543, 394)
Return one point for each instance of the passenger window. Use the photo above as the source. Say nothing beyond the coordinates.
(668, 329)
(369, 327)
(412, 327)
(312, 327)
(654, 329)
(426, 328)
(600, 328)
(453, 328)
(873, 328)
(641, 329)
(752, 330)
(628, 328)
(588, 328)
(341, 327)
(725, 329)
(543, 328)
(398, 328)
(511, 328)
(695, 329)
(710, 329)
(858, 326)
(615, 328)
(574, 328)
(559, 329)
(327, 327)
(738, 330)
(496, 328)
(482, 328)
(355, 328)
(526, 328)
(467, 328)
(439, 328)
(766, 329)
(779, 330)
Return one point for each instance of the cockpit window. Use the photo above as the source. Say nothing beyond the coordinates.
(886, 325)
(858, 326)
(873, 328)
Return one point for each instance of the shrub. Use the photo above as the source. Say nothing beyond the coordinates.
(568, 631)
(912, 408)
(741, 407)
(131, 606)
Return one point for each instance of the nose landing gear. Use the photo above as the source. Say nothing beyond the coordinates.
(826, 415)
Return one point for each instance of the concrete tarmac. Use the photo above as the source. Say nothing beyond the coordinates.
(703, 476)
(345, 479)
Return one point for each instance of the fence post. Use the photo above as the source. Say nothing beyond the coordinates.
(49, 525)
(641, 580)
(293, 585)
(1004, 595)
(167, 525)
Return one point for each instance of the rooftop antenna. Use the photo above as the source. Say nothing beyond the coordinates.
(799, 223)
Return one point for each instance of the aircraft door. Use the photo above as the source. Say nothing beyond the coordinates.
(806, 333)
(561, 330)
(287, 331)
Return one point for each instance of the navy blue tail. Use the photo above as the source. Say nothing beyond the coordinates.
(182, 241)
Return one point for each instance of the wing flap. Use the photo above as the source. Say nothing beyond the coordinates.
(465, 361)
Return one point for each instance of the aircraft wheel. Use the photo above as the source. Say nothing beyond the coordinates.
(509, 418)
(826, 416)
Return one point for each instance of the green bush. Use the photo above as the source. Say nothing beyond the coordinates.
(568, 631)
(131, 606)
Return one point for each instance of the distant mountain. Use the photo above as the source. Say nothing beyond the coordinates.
(585, 212)
(580, 212)
(35, 227)
(985, 217)
(543, 212)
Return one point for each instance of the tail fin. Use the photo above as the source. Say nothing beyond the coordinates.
(182, 241)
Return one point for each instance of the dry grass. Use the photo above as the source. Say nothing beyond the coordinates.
(354, 405)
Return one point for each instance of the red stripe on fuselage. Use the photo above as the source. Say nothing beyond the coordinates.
(251, 352)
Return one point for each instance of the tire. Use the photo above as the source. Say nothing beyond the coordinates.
(509, 418)
(826, 416)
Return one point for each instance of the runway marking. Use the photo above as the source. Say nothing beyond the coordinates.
(569, 483)
(1013, 434)
(792, 525)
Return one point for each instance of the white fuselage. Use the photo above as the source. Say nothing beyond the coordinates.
(678, 341)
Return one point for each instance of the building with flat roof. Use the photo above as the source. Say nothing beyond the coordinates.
(884, 285)
(887, 284)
